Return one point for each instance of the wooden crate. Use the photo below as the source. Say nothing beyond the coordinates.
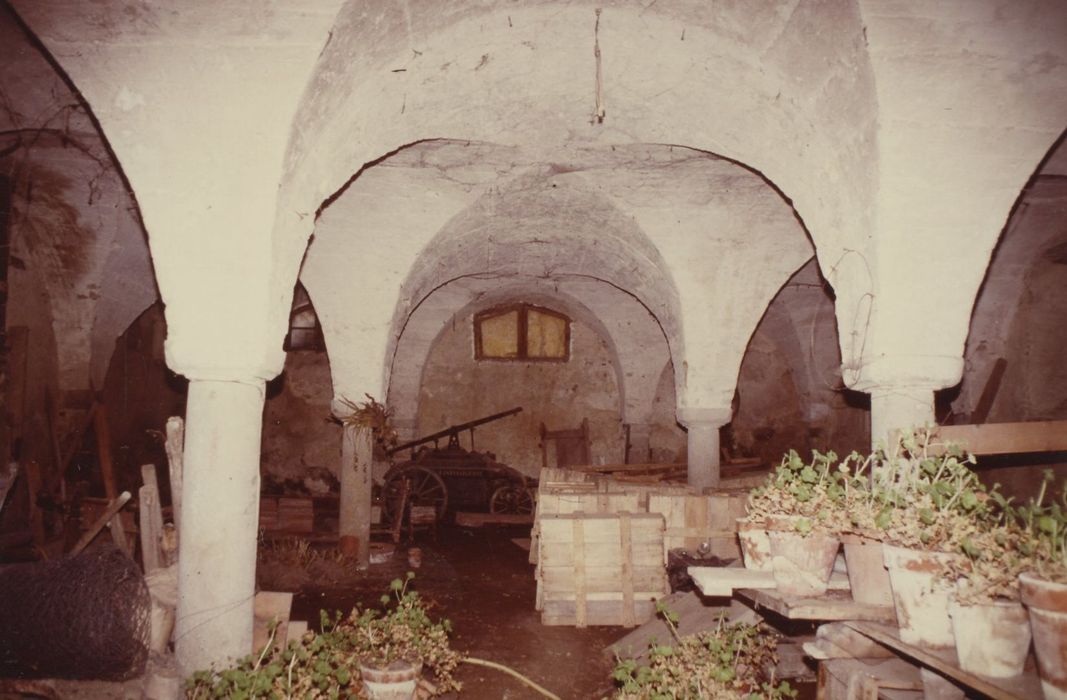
(564, 500)
(692, 520)
(549, 476)
(286, 514)
(605, 569)
(643, 491)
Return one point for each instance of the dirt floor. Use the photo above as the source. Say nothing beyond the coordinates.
(477, 578)
(481, 581)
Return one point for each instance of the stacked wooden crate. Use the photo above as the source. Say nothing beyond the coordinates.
(600, 569)
(692, 520)
(286, 514)
(564, 500)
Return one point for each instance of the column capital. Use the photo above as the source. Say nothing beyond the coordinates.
(695, 416)
(242, 374)
(892, 372)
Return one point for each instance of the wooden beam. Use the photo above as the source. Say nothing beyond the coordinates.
(1024, 687)
(151, 520)
(103, 448)
(989, 392)
(33, 487)
(175, 446)
(1006, 438)
(111, 513)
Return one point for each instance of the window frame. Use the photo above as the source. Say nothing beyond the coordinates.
(317, 341)
(522, 320)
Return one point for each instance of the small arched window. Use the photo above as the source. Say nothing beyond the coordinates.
(522, 332)
(305, 333)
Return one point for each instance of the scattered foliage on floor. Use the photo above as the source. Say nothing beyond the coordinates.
(728, 662)
(290, 563)
(327, 664)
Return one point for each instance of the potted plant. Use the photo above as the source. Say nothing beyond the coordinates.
(906, 502)
(796, 506)
(395, 643)
(1043, 588)
(382, 651)
(728, 662)
(989, 623)
(381, 654)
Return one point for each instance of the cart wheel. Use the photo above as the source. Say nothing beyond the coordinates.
(426, 489)
(511, 499)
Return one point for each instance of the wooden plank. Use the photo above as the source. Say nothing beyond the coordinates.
(1024, 687)
(597, 612)
(631, 467)
(694, 616)
(722, 581)
(1007, 438)
(556, 474)
(109, 515)
(33, 486)
(835, 640)
(626, 545)
(833, 605)
(989, 392)
(579, 572)
(103, 451)
(175, 447)
(465, 519)
(151, 520)
(851, 679)
(692, 519)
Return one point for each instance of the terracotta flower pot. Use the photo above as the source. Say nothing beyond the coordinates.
(1047, 604)
(802, 564)
(993, 638)
(397, 681)
(755, 545)
(867, 575)
(921, 600)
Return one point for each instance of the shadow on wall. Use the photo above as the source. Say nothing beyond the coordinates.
(140, 393)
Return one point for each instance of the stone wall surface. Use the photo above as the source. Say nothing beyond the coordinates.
(457, 388)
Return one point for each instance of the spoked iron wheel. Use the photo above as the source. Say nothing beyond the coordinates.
(425, 488)
(513, 499)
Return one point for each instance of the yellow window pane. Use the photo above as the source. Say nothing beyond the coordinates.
(546, 335)
(500, 335)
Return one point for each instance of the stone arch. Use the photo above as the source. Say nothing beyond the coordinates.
(584, 301)
(393, 76)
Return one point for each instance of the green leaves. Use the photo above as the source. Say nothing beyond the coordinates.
(725, 663)
(326, 665)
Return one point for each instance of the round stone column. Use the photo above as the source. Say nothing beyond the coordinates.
(219, 523)
(899, 408)
(703, 444)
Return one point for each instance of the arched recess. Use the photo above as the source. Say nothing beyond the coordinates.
(457, 301)
(453, 386)
(394, 75)
(1008, 322)
(790, 391)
